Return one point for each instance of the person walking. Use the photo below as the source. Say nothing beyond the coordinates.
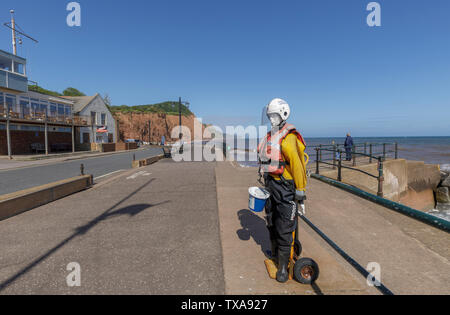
(348, 147)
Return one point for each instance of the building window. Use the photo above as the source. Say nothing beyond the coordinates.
(94, 118)
(24, 108)
(68, 111)
(61, 110)
(53, 109)
(103, 119)
(10, 103)
(43, 109)
(34, 106)
(19, 68)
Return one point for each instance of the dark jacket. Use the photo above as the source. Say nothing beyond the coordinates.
(348, 142)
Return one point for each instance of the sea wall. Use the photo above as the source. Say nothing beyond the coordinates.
(443, 192)
(408, 182)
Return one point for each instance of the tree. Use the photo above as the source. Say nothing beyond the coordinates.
(70, 91)
(107, 101)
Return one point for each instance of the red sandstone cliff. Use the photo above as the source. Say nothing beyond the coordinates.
(134, 125)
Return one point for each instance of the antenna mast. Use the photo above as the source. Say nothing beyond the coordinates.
(13, 27)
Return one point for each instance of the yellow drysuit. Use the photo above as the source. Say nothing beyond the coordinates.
(293, 151)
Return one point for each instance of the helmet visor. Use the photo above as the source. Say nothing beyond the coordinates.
(265, 118)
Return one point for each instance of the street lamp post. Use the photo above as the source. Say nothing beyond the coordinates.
(179, 112)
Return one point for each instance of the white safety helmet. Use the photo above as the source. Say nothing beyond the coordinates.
(280, 107)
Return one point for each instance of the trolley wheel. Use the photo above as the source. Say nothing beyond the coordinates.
(298, 248)
(306, 271)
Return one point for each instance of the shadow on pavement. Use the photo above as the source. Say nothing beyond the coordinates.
(254, 227)
(130, 210)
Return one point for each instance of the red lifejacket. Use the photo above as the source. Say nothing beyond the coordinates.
(269, 150)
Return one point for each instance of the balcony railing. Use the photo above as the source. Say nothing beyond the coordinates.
(76, 120)
(13, 81)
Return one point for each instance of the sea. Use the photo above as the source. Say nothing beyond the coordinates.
(431, 150)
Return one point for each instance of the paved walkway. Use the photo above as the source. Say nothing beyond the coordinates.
(414, 257)
(184, 228)
(245, 241)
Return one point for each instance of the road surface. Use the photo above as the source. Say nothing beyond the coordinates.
(28, 177)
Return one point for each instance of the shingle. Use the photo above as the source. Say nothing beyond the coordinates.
(80, 101)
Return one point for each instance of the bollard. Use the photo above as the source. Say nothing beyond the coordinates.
(82, 169)
(370, 158)
(134, 156)
(365, 148)
(384, 151)
(396, 151)
(339, 177)
(380, 177)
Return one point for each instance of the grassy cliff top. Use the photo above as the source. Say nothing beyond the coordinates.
(169, 108)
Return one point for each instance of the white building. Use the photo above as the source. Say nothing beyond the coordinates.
(103, 129)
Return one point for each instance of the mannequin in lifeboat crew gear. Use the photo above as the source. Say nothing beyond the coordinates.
(282, 160)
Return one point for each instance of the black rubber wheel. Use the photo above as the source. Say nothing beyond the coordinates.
(306, 271)
(298, 248)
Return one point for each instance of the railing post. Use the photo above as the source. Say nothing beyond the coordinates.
(317, 161)
(396, 151)
(334, 157)
(380, 177)
(320, 146)
(384, 151)
(354, 155)
(8, 133)
(339, 177)
(371, 150)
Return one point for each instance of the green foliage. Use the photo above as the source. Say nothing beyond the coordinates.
(169, 108)
(67, 92)
(70, 91)
(38, 89)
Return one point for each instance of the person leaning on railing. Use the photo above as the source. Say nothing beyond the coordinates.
(348, 144)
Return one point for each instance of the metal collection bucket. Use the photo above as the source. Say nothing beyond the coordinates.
(257, 198)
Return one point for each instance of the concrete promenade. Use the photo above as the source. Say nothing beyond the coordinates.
(414, 257)
(184, 228)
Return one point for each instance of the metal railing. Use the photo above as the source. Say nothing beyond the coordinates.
(366, 150)
(38, 116)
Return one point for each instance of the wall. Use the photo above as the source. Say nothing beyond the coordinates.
(21, 140)
(408, 182)
(121, 146)
(103, 147)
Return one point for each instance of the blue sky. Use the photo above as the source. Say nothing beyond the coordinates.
(229, 58)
